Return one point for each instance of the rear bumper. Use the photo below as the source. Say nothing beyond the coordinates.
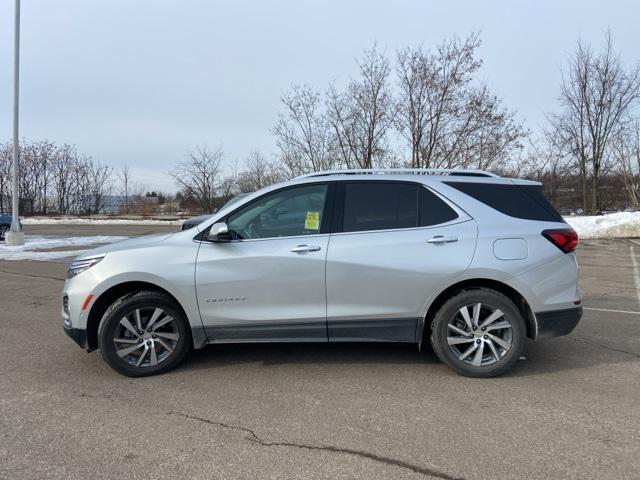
(78, 335)
(556, 323)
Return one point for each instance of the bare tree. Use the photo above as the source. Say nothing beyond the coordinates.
(546, 161)
(258, 173)
(124, 178)
(303, 132)
(597, 95)
(98, 184)
(5, 175)
(492, 133)
(37, 158)
(362, 115)
(28, 177)
(200, 175)
(63, 175)
(412, 112)
(626, 154)
(447, 119)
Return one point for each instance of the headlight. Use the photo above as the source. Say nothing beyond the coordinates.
(79, 266)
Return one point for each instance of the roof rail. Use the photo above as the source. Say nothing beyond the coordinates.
(403, 171)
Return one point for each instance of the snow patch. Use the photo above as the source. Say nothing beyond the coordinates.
(39, 247)
(97, 221)
(612, 225)
(39, 256)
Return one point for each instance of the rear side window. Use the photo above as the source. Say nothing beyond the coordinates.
(379, 206)
(388, 205)
(519, 201)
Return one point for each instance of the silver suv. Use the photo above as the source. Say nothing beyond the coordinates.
(468, 261)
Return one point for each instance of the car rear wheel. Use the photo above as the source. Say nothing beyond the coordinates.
(478, 333)
(144, 334)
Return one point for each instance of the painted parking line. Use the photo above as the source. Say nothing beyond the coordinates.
(628, 312)
(636, 274)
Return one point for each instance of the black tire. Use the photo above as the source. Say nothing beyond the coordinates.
(4, 228)
(145, 301)
(440, 330)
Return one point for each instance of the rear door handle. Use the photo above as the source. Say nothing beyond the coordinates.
(305, 248)
(442, 239)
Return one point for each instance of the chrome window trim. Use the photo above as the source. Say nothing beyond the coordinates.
(462, 218)
(313, 235)
(446, 224)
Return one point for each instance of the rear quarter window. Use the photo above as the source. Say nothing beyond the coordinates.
(519, 201)
(432, 210)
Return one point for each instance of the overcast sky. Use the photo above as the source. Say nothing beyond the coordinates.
(145, 81)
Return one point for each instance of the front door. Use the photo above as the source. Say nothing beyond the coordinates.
(268, 282)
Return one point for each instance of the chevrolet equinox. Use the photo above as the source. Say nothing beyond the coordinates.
(468, 261)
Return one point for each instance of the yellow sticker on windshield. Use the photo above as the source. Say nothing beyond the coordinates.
(312, 222)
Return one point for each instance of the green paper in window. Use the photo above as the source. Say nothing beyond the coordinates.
(312, 222)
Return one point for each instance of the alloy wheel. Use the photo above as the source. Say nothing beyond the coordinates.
(479, 335)
(146, 337)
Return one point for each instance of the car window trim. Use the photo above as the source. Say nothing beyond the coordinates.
(406, 229)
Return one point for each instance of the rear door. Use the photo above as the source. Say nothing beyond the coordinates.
(394, 243)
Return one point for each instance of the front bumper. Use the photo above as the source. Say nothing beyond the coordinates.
(556, 323)
(79, 335)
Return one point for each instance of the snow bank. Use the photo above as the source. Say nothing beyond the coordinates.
(38, 247)
(97, 221)
(613, 225)
(40, 242)
(40, 256)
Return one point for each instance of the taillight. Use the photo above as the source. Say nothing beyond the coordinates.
(566, 239)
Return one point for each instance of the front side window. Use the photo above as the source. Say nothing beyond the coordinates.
(285, 213)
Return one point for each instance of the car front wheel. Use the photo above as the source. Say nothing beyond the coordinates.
(144, 334)
(478, 333)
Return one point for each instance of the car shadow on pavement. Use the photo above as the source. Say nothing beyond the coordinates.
(539, 358)
(223, 355)
(572, 352)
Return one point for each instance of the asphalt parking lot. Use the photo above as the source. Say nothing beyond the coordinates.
(571, 409)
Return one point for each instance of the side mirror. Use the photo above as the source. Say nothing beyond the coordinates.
(219, 232)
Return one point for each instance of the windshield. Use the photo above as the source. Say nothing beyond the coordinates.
(234, 200)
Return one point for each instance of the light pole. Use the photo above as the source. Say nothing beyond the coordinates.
(14, 236)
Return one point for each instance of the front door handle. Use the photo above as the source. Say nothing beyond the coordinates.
(442, 239)
(305, 248)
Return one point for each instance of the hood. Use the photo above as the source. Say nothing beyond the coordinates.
(131, 244)
(197, 220)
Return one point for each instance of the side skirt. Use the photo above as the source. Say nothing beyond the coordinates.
(287, 332)
(375, 330)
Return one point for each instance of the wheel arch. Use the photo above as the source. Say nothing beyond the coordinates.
(514, 295)
(101, 304)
